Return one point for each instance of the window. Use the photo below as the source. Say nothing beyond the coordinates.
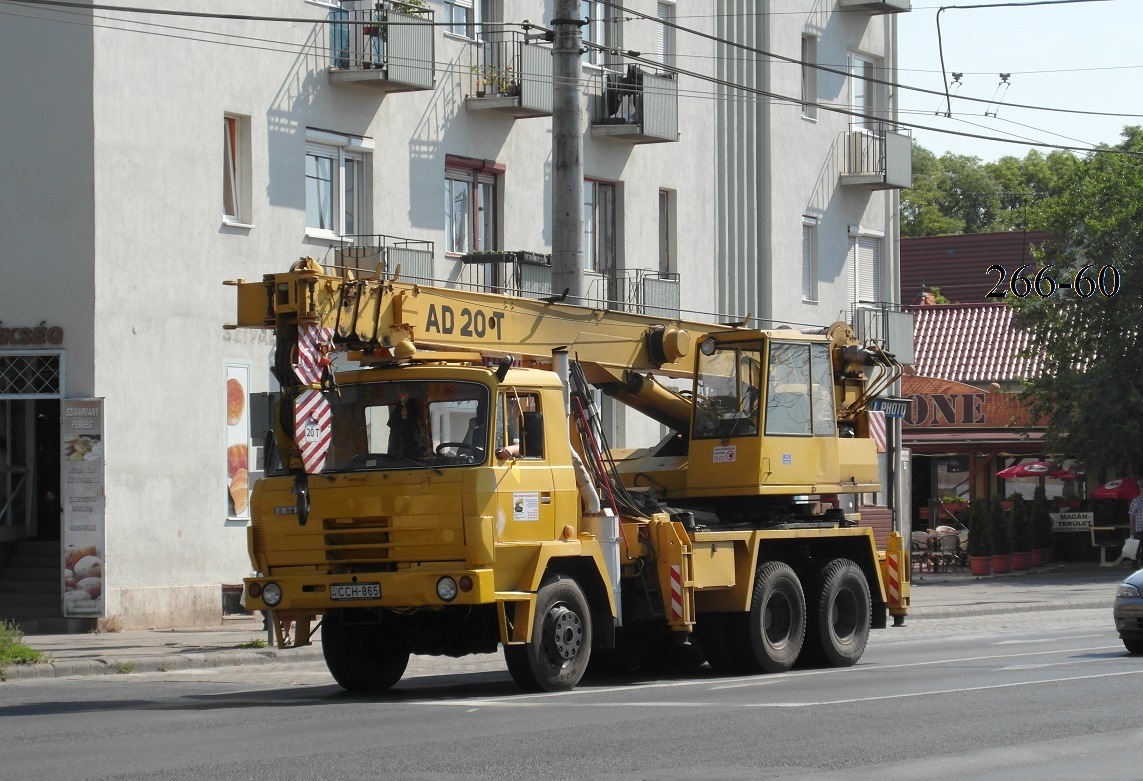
(809, 259)
(863, 91)
(236, 169)
(727, 390)
(471, 221)
(865, 255)
(601, 29)
(665, 39)
(809, 77)
(519, 425)
(336, 184)
(459, 17)
(666, 232)
(599, 227)
(799, 392)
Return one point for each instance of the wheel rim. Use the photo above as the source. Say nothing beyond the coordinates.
(564, 636)
(843, 615)
(778, 619)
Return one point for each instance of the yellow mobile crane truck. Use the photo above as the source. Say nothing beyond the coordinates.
(454, 493)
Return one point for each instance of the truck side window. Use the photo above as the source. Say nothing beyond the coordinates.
(519, 425)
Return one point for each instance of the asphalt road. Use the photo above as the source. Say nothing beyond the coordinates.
(1037, 695)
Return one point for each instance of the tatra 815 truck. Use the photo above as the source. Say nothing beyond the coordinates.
(440, 483)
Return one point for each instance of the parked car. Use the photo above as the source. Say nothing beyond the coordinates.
(1128, 612)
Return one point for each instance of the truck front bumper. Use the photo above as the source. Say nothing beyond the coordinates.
(314, 593)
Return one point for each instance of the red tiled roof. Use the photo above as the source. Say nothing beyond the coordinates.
(958, 265)
(974, 343)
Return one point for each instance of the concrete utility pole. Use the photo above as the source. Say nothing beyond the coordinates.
(567, 153)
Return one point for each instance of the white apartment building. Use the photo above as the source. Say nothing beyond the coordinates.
(146, 158)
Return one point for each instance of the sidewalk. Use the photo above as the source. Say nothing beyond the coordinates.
(1064, 586)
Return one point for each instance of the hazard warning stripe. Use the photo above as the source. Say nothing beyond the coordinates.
(311, 361)
(676, 593)
(312, 429)
(894, 579)
(877, 429)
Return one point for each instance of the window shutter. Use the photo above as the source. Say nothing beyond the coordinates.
(663, 40)
(807, 263)
(868, 268)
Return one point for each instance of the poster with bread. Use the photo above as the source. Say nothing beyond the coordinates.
(82, 500)
(237, 441)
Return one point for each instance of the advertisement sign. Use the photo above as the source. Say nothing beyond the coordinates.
(237, 442)
(1072, 522)
(82, 497)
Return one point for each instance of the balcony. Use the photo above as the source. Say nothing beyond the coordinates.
(511, 76)
(377, 256)
(640, 291)
(523, 274)
(385, 46)
(877, 158)
(877, 6)
(638, 107)
(884, 324)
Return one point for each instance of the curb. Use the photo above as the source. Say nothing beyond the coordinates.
(157, 664)
(991, 610)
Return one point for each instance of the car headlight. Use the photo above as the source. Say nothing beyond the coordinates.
(1127, 590)
(446, 589)
(272, 594)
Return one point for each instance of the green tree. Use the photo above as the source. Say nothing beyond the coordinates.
(923, 207)
(1089, 340)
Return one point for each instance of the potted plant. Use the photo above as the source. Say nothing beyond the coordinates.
(1041, 528)
(1001, 537)
(1021, 534)
(979, 539)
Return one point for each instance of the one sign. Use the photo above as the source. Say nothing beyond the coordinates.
(82, 497)
(893, 407)
(1072, 522)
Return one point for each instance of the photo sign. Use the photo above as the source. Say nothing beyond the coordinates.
(82, 497)
(1072, 522)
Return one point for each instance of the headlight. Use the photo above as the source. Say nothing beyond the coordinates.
(708, 347)
(446, 589)
(272, 594)
(1127, 590)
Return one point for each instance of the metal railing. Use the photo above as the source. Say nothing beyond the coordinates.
(378, 255)
(507, 65)
(523, 274)
(881, 151)
(641, 98)
(658, 293)
(390, 36)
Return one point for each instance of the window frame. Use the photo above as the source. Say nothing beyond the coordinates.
(866, 239)
(668, 209)
(809, 77)
(665, 35)
(809, 259)
(236, 171)
(340, 150)
(601, 30)
(600, 238)
(483, 179)
(863, 90)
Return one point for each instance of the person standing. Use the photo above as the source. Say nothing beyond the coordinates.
(1135, 513)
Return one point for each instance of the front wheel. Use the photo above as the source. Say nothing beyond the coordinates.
(1134, 645)
(362, 657)
(560, 647)
(776, 627)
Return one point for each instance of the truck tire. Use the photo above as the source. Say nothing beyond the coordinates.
(362, 657)
(837, 627)
(1134, 645)
(776, 624)
(557, 655)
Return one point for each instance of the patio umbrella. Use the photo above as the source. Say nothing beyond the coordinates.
(1034, 469)
(1121, 488)
(1065, 474)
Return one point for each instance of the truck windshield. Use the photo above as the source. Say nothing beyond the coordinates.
(727, 391)
(408, 425)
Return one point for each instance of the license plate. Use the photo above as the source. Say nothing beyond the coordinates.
(355, 591)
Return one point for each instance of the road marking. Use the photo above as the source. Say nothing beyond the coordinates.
(1045, 640)
(524, 701)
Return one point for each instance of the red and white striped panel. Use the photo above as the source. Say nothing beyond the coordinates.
(894, 568)
(877, 429)
(676, 593)
(312, 429)
(311, 358)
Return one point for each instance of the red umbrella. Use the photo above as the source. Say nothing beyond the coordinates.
(1066, 474)
(1121, 488)
(1034, 469)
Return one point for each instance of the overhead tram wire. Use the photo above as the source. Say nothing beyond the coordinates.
(629, 55)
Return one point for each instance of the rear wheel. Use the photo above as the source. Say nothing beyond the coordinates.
(557, 655)
(776, 627)
(362, 657)
(837, 627)
(1133, 645)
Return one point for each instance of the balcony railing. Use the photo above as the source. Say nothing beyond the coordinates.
(657, 294)
(639, 107)
(886, 325)
(510, 75)
(380, 256)
(878, 158)
(877, 6)
(388, 46)
(523, 274)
